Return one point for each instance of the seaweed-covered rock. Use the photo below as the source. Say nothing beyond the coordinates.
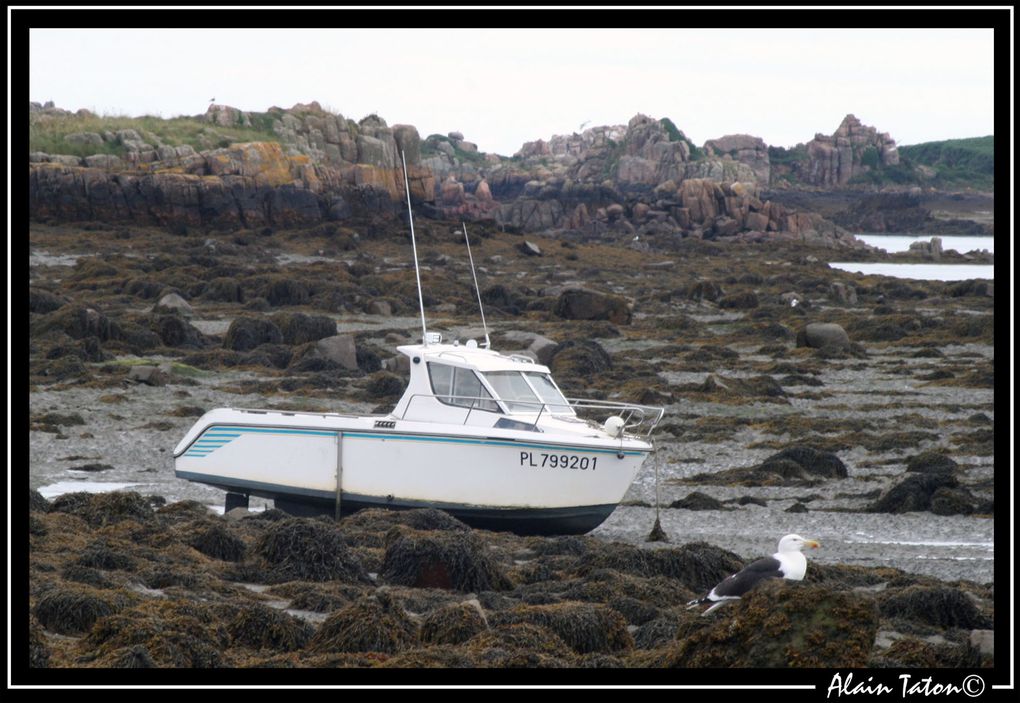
(246, 333)
(38, 651)
(914, 653)
(585, 627)
(42, 301)
(372, 624)
(308, 550)
(261, 627)
(520, 645)
(174, 331)
(698, 501)
(912, 494)
(298, 328)
(941, 606)
(583, 359)
(101, 554)
(78, 322)
(932, 462)
(216, 541)
(739, 301)
(133, 657)
(99, 509)
(656, 633)
(812, 462)
(782, 624)
(449, 560)
(452, 624)
(582, 304)
(178, 634)
(72, 610)
(385, 385)
(36, 501)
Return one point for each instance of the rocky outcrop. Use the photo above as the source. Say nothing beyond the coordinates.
(853, 149)
(645, 179)
(745, 149)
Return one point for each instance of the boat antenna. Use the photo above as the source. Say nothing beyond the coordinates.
(477, 289)
(414, 248)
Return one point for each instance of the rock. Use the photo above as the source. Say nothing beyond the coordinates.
(173, 303)
(80, 322)
(939, 606)
(149, 375)
(819, 335)
(298, 328)
(246, 333)
(932, 462)
(42, 301)
(174, 331)
(380, 307)
(585, 627)
(340, 349)
(698, 501)
(308, 550)
(812, 461)
(983, 641)
(529, 248)
(450, 560)
(583, 304)
(703, 290)
(584, 359)
(843, 293)
(912, 494)
(739, 301)
(371, 624)
(781, 624)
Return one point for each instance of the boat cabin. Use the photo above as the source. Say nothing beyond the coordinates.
(465, 384)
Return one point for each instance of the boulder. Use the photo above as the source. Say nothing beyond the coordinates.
(912, 494)
(931, 462)
(451, 560)
(781, 624)
(299, 328)
(583, 304)
(173, 303)
(340, 349)
(149, 375)
(246, 333)
(819, 335)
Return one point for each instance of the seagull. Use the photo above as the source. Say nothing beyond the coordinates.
(787, 563)
(212, 100)
(583, 124)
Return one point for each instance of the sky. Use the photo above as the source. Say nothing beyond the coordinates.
(501, 88)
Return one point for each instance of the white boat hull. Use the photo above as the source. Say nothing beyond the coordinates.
(496, 479)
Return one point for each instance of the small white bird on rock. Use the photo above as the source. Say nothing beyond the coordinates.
(788, 563)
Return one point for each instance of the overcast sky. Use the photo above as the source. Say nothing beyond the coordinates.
(504, 87)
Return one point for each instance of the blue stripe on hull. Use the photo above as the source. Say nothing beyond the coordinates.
(217, 436)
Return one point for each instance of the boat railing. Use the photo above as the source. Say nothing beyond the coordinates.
(637, 419)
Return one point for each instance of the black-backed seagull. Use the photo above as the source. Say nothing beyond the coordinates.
(788, 563)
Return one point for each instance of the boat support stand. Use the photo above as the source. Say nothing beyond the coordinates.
(339, 472)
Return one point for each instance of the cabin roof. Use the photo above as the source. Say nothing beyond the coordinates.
(480, 359)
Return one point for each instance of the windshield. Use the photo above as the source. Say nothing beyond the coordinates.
(548, 391)
(510, 386)
(519, 390)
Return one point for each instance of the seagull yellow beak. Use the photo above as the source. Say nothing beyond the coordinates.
(814, 544)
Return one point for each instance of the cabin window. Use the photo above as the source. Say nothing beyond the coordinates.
(513, 390)
(456, 386)
(548, 392)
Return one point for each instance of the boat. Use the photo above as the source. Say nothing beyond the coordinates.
(487, 437)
